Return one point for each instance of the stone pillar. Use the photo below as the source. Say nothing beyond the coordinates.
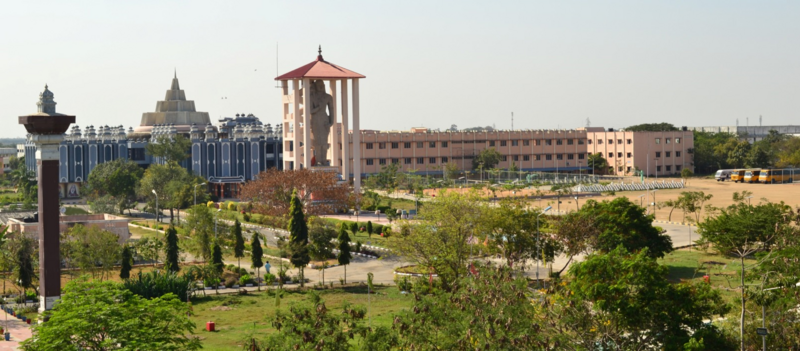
(356, 141)
(345, 134)
(334, 135)
(47, 161)
(306, 123)
(296, 124)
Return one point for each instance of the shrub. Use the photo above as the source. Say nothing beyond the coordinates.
(230, 282)
(242, 271)
(403, 283)
(245, 279)
(377, 229)
(353, 227)
(230, 206)
(232, 268)
(358, 246)
(246, 217)
(158, 283)
(210, 204)
(269, 279)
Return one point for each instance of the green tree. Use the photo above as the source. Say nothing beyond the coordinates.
(597, 163)
(23, 262)
(171, 149)
(635, 304)
(514, 234)
(298, 236)
(216, 258)
(172, 184)
(173, 250)
(486, 159)
(200, 223)
(686, 174)
(738, 153)
(117, 179)
(710, 151)
(344, 255)
(257, 255)
(95, 247)
(106, 316)
(439, 239)
(652, 127)
(238, 245)
(126, 259)
(320, 246)
(369, 229)
(621, 222)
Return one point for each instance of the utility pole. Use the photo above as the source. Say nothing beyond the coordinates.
(512, 121)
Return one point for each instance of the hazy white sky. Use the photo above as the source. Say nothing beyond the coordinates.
(428, 63)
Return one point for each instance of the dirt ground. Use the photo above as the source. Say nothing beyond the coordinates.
(722, 191)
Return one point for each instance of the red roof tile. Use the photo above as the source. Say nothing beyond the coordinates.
(320, 69)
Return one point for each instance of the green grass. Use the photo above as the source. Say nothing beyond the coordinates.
(253, 312)
(723, 271)
(75, 211)
(144, 233)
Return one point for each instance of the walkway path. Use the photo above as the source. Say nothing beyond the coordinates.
(19, 331)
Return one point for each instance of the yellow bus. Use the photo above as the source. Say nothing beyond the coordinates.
(751, 175)
(772, 176)
(738, 175)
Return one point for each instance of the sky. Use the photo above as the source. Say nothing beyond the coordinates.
(554, 64)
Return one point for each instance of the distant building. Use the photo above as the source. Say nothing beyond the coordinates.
(655, 153)
(751, 133)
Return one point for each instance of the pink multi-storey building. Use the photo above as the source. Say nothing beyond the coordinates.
(655, 153)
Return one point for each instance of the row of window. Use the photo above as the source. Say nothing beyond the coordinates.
(406, 145)
(658, 168)
(537, 142)
(658, 154)
(432, 160)
(629, 141)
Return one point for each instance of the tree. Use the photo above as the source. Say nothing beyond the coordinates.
(238, 245)
(743, 229)
(271, 192)
(126, 259)
(652, 127)
(256, 255)
(200, 223)
(320, 247)
(486, 159)
(344, 255)
(117, 179)
(439, 239)
(216, 258)
(23, 262)
(686, 174)
(451, 170)
(576, 234)
(170, 183)
(692, 202)
(514, 234)
(710, 151)
(94, 247)
(106, 316)
(621, 222)
(173, 250)
(369, 229)
(597, 163)
(633, 302)
(171, 149)
(738, 153)
(298, 236)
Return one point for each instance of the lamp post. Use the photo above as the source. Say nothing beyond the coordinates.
(157, 216)
(641, 200)
(654, 201)
(195, 192)
(656, 169)
(577, 207)
(537, 239)
(748, 199)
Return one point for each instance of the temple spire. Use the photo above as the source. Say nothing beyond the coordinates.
(319, 52)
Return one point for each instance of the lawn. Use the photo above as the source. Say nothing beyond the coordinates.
(70, 211)
(238, 316)
(692, 265)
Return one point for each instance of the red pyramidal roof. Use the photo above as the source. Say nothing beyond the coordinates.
(320, 69)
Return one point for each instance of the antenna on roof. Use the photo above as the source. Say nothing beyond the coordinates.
(512, 120)
(277, 73)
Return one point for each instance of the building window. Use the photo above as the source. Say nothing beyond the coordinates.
(610, 141)
(630, 155)
(677, 154)
(619, 141)
(658, 168)
(548, 141)
(610, 155)
(589, 141)
(381, 146)
(630, 141)
(420, 160)
(580, 141)
(444, 144)
(666, 140)
(395, 145)
(570, 141)
(432, 144)
(658, 140)
(502, 143)
(619, 154)
(526, 157)
(658, 153)
(514, 142)
(406, 145)
(538, 142)
(559, 141)
(369, 146)
(666, 153)
(570, 156)
(548, 157)
(526, 142)
(407, 160)
(432, 160)
(538, 157)
(516, 157)
(677, 168)
(491, 142)
(669, 168)
(628, 170)
(599, 141)
(444, 160)
(559, 156)
(677, 140)
(370, 162)
(382, 161)
(395, 160)
(619, 168)
(580, 156)
(419, 145)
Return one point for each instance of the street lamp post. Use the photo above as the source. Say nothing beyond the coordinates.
(195, 192)
(641, 200)
(537, 240)
(654, 200)
(748, 199)
(577, 207)
(157, 216)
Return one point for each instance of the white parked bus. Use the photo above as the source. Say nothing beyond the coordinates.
(723, 175)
